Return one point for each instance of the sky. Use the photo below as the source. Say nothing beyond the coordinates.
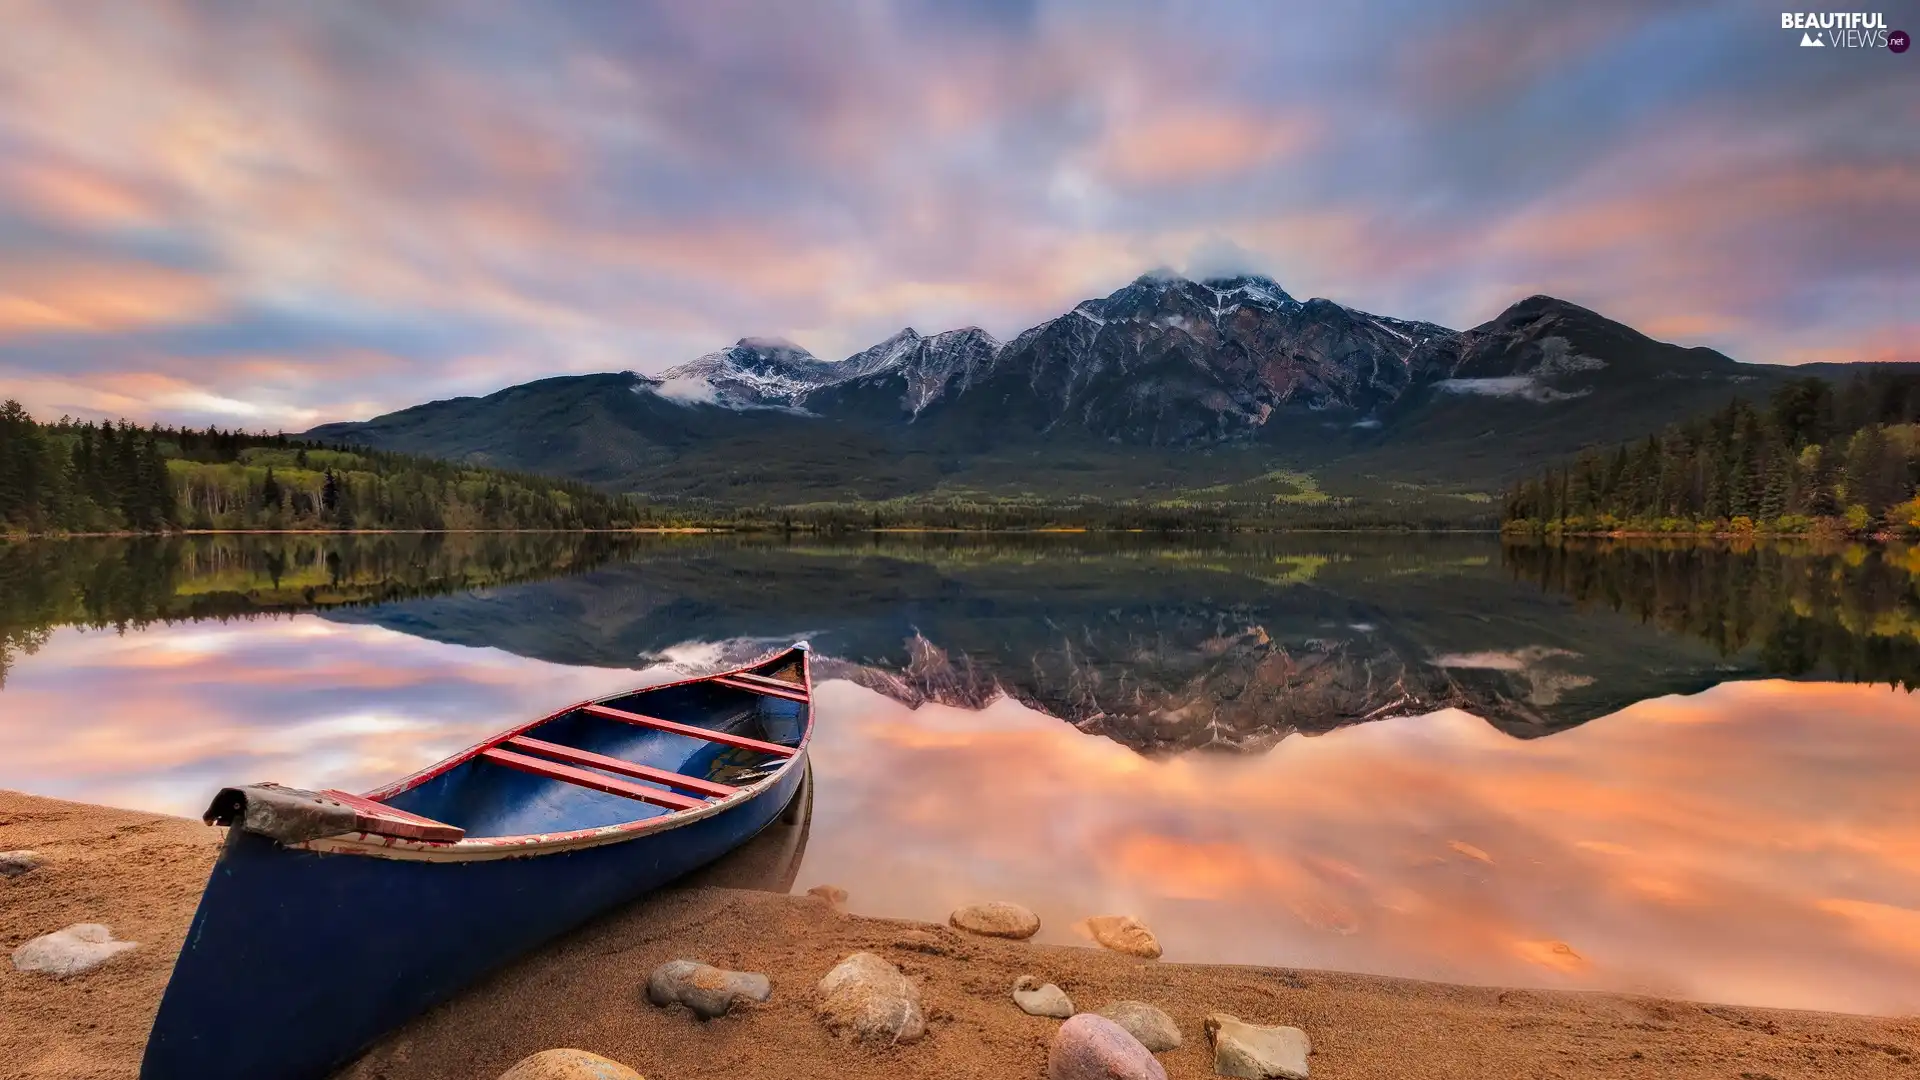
(275, 215)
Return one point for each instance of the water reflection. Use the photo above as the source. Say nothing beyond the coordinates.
(1754, 842)
(1759, 843)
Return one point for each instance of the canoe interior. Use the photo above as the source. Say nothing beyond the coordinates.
(491, 800)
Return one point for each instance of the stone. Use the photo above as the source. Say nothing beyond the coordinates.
(996, 918)
(1041, 999)
(1257, 1052)
(15, 863)
(832, 894)
(868, 998)
(76, 949)
(707, 990)
(569, 1065)
(1091, 1047)
(1155, 1029)
(1124, 933)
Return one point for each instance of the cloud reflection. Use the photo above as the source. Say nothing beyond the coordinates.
(1757, 843)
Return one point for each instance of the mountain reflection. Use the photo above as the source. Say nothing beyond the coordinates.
(1226, 644)
(1751, 842)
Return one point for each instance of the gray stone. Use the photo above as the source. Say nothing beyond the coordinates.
(568, 1065)
(15, 863)
(1092, 1047)
(996, 918)
(1255, 1051)
(707, 990)
(868, 998)
(1041, 999)
(76, 949)
(1124, 933)
(1155, 1029)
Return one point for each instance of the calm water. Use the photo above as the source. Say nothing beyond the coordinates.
(1680, 770)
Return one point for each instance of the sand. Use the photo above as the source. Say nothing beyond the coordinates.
(141, 874)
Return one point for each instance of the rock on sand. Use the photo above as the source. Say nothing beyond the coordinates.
(15, 863)
(1092, 1047)
(1124, 933)
(80, 947)
(569, 1065)
(707, 990)
(996, 918)
(1155, 1029)
(1038, 999)
(1257, 1052)
(832, 894)
(869, 997)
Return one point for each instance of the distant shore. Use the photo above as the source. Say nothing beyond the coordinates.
(141, 874)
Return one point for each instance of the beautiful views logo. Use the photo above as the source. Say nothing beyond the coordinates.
(1844, 30)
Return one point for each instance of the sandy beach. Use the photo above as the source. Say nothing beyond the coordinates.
(141, 874)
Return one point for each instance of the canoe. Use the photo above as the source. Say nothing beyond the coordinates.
(332, 918)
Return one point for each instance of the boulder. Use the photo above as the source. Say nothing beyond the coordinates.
(80, 947)
(707, 990)
(1155, 1029)
(832, 894)
(568, 1065)
(996, 918)
(1124, 933)
(1092, 1047)
(868, 998)
(15, 863)
(1041, 999)
(1255, 1051)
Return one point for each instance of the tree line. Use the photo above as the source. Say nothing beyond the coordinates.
(1796, 607)
(1812, 459)
(78, 477)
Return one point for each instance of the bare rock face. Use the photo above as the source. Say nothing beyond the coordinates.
(1041, 999)
(1125, 934)
(1091, 1047)
(1255, 1051)
(15, 863)
(1154, 1028)
(996, 918)
(78, 948)
(707, 990)
(569, 1065)
(870, 999)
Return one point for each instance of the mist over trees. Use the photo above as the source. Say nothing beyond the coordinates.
(1814, 458)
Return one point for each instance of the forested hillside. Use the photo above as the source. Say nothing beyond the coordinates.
(1813, 458)
(83, 477)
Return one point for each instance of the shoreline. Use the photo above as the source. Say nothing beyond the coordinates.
(141, 874)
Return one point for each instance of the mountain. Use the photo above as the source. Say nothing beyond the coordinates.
(1169, 390)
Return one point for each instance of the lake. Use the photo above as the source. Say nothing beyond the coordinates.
(1679, 769)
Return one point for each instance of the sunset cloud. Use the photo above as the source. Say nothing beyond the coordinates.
(493, 196)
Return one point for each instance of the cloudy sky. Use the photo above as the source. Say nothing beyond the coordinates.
(276, 215)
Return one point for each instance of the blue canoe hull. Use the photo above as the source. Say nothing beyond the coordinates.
(297, 960)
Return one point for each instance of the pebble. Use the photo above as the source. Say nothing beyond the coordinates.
(15, 863)
(1154, 1028)
(78, 948)
(707, 990)
(569, 1065)
(1092, 1047)
(996, 918)
(1124, 933)
(869, 998)
(832, 894)
(1041, 999)
(1257, 1052)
